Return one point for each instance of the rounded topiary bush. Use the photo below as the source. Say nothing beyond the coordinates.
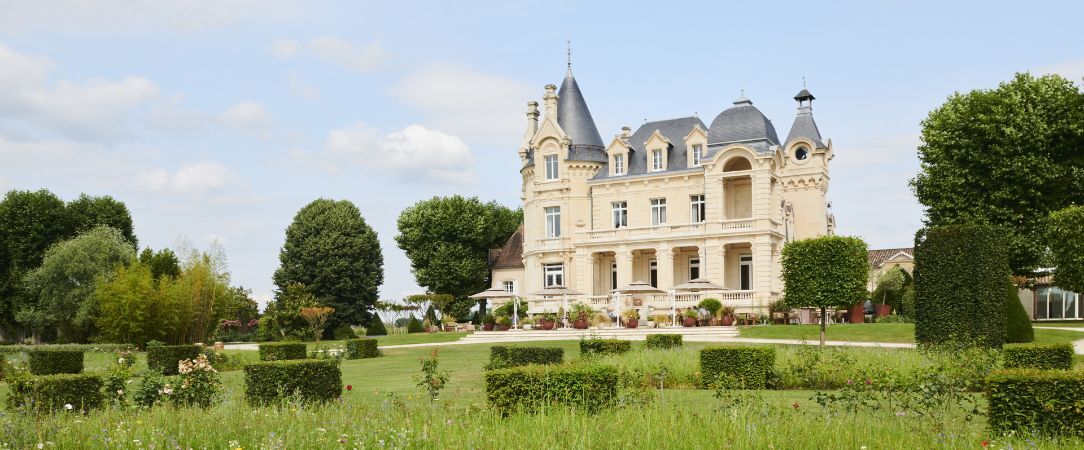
(1018, 328)
(54, 361)
(279, 351)
(164, 358)
(308, 380)
(414, 326)
(361, 348)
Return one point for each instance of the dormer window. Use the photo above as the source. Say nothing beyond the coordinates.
(619, 164)
(698, 152)
(656, 160)
(551, 167)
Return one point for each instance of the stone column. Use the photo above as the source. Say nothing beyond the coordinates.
(624, 267)
(702, 253)
(664, 257)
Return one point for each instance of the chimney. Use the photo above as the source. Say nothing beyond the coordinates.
(550, 100)
(532, 119)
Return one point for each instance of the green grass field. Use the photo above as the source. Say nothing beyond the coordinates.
(875, 332)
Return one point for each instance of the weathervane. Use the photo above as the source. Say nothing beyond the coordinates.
(569, 53)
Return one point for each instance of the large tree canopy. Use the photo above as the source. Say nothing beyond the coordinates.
(1066, 237)
(30, 222)
(87, 212)
(825, 272)
(448, 239)
(331, 251)
(1006, 156)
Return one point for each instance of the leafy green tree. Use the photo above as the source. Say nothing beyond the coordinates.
(448, 240)
(30, 223)
(336, 255)
(1066, 239)
(282, 316)
(825, 272)
(87, 212)
(891, 287)
(161, 263)
(60, 293)
(1005, 156)
(132, 307)
(376, 327)
(240, 305)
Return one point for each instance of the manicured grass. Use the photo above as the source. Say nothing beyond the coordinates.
(864, 332)
(399, 339)
(1060, 324)
(1043, 336)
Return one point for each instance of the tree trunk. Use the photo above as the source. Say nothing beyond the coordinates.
(824, 324)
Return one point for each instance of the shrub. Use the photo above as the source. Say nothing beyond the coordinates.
(150, 390)
(199, 384)
(502, 357)
(271, 382)
(47, 393)
(663, 341)
(414, 326)
(164, 358)
(86, 348)
(51, 362)
(278, 351)
(825, 272)
(1039, 356)
(361, 348)
(344, 332)
(589, 347)
(376, 328)
(711, 305)
(590, 387)
(1065, 233)
(750, 366)
(960, 273)
(1031, 401)
(1017, 324)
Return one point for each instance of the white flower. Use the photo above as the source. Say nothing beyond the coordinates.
(68, 406)
(120, 391)
(120, 361)
(41, 445)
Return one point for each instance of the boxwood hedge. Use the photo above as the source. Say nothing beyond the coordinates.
(310, 380)
(663, 341)
(164, 358)
(1039, 356)
(960, 275)
(589, 387)
(501, 357)
(1032, 401)
(361, 348)
(589, 347)
(750, 366)
(279, 351)
(51, 362)
(52, 392)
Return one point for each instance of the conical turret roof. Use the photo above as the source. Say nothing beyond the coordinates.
(574, 117)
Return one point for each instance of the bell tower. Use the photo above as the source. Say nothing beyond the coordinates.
(805, 173)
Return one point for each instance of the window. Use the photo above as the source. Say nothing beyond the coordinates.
(746, 274)
(699, 209)
(554, 274)
(698, 152)
(694, 268)
(553, 221)
(619, 164)
(658, 211)
(801, 154)
(653, 268)
(613, 275)
(510, 286)
(621, 214)
(656, 160)
(1055, 303)
(551, 167)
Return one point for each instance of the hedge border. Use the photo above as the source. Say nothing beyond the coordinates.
(663, 341)
(1035, 401)
(1039, 356)
(54, 361)
(48, 393)
(310, 380)
(593, 347)
(361, 348)
(164, 358)
(283, 351)
(529, 389)
(503, 356)
(750, 365)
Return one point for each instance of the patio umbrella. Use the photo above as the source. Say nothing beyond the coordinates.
(636, 287)
(501, 293)
(563, 292)
(697, 285)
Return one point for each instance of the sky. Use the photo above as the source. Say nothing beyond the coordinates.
(218, 120)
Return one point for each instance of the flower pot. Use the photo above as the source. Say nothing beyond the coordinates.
(856, 313)
(728, 321)
(882, 310)
(651, 324)
(689, 321)
(528, 326)
(487, 326)
(548, 324)
(502, 327)
(580, 324)
(632, 323)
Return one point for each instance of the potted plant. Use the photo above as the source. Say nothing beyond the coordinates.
(632, 318)
(449, 322)
(599, 320)
(856, 313)
(549, 320)
(488, 322)
(651, 321)
(712, 306)
(662, 320)
(689, 319)
(726, 314)
(504, 323)
(526, 323)
(780, 312)
(579, 314)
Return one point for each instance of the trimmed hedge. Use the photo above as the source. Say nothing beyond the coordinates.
(164, 358)
(361, 348)
(281, 351)
(527, 389)
(502, 357)
(343, 332)
(1017, 323)
(589, 347)
(87, 348)
(311, 380)
(48, 393)
(376, 328)
(750, 366)
(1039, 356)
(663, 341)
(51, 362)
(960, 273)
(1028, 401)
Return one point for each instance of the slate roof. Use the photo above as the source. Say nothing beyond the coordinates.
(574, 117)
(674, 130)
(878, 257)
(805, 127)
(509, 256)
(744, 123)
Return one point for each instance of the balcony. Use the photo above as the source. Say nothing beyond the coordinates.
(723, 227)
(741, 300)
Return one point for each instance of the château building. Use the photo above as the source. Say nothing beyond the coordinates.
(672, 201)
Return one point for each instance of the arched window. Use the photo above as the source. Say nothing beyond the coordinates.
(737, 164)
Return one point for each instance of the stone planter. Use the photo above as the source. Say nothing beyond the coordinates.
(689, 322)
(219, 346)
(501, 327)
(487, 326)
(580, 324)
(856, 313)
(651, 324)
(632, 323)
(528, 326)
(728, 321)
(548, 324)
(882, 310)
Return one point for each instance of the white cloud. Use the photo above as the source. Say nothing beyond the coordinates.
(302, 90)
(246, 114)
(116, 16)
(344, 53)
(415, 152)
(285, 48)
(94, 110)
(193, 178)
(1073, 70)
(478, 106)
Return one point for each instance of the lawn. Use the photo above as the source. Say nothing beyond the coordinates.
(875, 332)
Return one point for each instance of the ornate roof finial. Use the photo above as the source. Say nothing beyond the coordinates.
(569, 54)
(803, 82)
